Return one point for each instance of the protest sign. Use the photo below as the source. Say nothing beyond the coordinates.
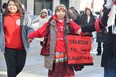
(79, 48)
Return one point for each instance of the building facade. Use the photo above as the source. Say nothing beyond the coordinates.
(35, 6)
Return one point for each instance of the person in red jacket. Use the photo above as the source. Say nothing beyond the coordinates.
(56, 62)
(59, 26)
(14, 28)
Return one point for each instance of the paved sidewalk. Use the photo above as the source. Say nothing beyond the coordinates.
(37, 70)
(34, 65)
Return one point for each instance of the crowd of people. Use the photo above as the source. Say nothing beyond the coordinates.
(16, 26)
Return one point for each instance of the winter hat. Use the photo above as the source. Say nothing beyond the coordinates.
(60, 7)
(86, 8)
(44, 10)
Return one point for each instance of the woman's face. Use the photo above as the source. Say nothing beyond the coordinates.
(70, 11)
(88, 12)
(60, 14)
(12, 7)
(43, 14)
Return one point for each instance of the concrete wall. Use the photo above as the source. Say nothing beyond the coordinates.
(30, 6)
(75, 3)
(3, 1)
(72, 3)
(55, 3)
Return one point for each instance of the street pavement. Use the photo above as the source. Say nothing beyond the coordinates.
(34, 64)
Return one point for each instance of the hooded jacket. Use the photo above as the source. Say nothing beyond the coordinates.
(26, 29)
(48, 60)
(41, 21)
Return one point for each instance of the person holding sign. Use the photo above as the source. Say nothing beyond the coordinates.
(56, 62)
(59, 26)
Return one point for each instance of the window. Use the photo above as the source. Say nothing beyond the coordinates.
(41, 4)
(47, 4)
(37, 6)
(24, 2)
(0, 3)
(65, 2)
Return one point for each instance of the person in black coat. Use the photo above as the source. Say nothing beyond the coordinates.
(87, 19)
(108, 61)
(100, 38)
(74, 15)
(3, 7)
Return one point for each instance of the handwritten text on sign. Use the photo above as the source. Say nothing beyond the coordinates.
(79, 50)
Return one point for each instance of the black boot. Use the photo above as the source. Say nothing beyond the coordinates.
(99, 49)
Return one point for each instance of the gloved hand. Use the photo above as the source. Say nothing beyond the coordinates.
(78, 68)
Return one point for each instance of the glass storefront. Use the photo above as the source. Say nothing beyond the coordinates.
(24, 2)
(0, 3)
(65, 2)
(41, 4)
